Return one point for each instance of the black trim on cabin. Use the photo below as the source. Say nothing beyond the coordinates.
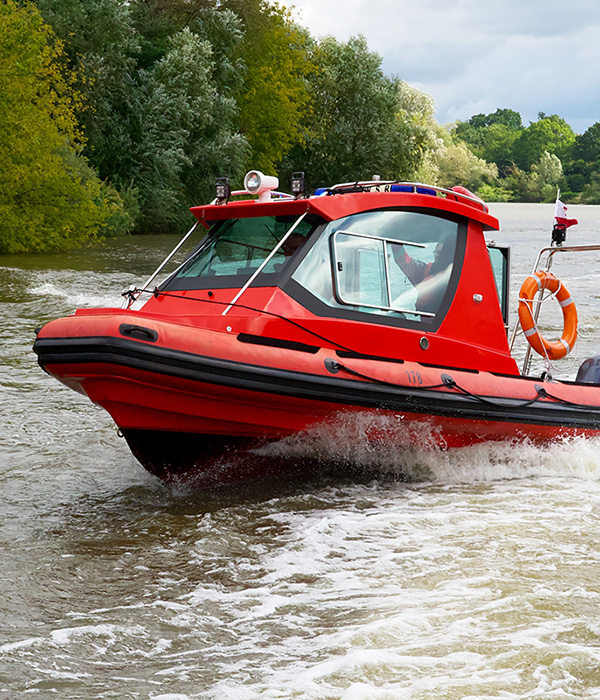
(319, 308)
(283, 280)
(351, 392)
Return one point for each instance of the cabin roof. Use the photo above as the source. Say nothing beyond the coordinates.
(337, 203)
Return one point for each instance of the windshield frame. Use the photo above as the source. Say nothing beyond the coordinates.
(266, 278)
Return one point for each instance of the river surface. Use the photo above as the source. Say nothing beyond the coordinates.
(477, 576)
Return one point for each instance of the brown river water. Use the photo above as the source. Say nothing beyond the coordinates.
(455, 575)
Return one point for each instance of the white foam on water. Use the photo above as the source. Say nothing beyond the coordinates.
(63, 637)
(111, 632)
(23, 644)
(77, 300)
(470, 585)
(570, 457)
(387, 444)
(362, 691)
(477, 589)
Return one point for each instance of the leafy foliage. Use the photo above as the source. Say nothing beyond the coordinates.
(362, 122)
(459, 166)
(551, 134)
(540, 183)
(591, 190)
(273, 97)
(160, 97)
(492, 136)
(535, 160)
(189, 137)
(50, 198)
(164, 117)
(505, 117)
(101, 49)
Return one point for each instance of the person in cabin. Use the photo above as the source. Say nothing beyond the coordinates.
(292, 244)
(429, 279)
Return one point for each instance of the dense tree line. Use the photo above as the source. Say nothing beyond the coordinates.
(49, 194)
(534, 160)
(117, 115)
(160, 97)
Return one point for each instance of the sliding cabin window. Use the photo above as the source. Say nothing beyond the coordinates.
(235, 248)
(394, 263)
(500, 259)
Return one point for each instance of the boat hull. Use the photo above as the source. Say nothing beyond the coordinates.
(212, 412)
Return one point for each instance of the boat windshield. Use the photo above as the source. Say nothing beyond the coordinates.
(235, 248)
(391, 262)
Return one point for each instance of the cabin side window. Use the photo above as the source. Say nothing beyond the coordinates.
(396, 263)
(500, 259)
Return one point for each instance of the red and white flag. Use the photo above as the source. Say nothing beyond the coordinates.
(560, 214)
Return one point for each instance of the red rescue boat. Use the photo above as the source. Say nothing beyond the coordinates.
(377, 298)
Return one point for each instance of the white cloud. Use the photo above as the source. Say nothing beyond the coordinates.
(475, 57)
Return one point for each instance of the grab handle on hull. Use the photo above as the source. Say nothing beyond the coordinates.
(138, 332)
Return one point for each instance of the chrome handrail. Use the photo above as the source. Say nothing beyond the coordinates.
(537, 300)
(386, 185)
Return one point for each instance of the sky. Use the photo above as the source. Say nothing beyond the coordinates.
(475, 56)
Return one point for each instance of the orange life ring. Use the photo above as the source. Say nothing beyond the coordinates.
(532, 285)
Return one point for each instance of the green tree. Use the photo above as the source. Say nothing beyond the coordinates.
(273, 96)
(584, 161)
(522, 185)
(50, 199)
(189, 137)
(102, 48)
(459, 166)
(498, 145)
(362, 122)
(415, 121)
(591, 191)
(540, 183)
(506, 117)
(549, 172)
(491, 136)
(549, 133)
(587, 145)
(162, 117)
(578, 173)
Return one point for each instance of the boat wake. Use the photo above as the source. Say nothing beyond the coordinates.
(76, 300)
(385, 446)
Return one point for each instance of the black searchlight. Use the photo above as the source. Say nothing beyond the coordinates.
(297, 184)
(222, 189)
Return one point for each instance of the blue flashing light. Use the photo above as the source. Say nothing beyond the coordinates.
(411, 188)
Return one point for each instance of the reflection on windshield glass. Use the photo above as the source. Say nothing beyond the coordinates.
(392, 262)
(430, 279)
(236, 248)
